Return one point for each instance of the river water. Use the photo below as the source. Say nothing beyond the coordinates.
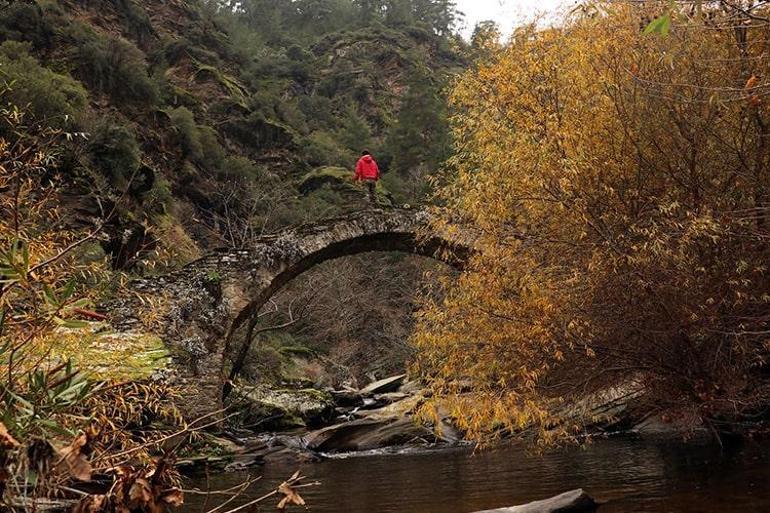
(631, 475)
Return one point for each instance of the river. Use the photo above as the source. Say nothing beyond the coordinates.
(631, 475)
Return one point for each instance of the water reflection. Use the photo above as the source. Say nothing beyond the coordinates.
(633, 476)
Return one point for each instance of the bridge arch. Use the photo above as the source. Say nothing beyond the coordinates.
(451, 253)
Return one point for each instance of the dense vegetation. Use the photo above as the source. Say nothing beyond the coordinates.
(208, 123)
(617, 180)
(134, 136)
(71, 402)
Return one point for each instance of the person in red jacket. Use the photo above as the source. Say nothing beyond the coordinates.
(367, 170)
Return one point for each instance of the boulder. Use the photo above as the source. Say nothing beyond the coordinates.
(347, 397)
(263, 408)
(447, 432)
(391, 397)
(384, 386)
(411, 387)
(365, 434)
(657, 427)
(383, 410)
(339, 179)
(574, 501)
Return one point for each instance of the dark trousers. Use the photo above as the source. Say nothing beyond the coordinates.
(371, 185)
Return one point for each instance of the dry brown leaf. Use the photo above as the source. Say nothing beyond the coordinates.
(90, 504)
(173, 497)
(77, 463)
(140, 492)
(290, 496)
(6, 440)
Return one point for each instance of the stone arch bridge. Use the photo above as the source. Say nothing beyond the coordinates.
(200, 309)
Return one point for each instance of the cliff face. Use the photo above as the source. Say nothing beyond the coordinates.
(207, 131)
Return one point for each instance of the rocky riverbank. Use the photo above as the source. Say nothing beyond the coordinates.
(307, 423)
(300, 424)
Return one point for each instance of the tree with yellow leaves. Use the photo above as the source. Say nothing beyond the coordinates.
(618, 181)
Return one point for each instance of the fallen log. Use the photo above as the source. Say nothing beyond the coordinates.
(574, 501)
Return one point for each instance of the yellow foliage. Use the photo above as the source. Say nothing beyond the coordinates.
(618, 182)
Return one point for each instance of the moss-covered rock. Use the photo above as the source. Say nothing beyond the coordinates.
(341, 180)
(264, 408)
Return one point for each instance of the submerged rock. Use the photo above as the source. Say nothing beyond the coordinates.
(574, 501)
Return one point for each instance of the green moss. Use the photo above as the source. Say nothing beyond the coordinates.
(232, 85)
(285, 408)
(297, 350)
(118, 356)
(330, 172)
(318, 395)
(90, 252)
(175, 95)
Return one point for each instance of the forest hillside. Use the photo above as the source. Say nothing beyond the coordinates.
(223, 120)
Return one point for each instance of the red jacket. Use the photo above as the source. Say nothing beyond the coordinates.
(366, 169)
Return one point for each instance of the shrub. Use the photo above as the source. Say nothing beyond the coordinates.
(114, 151)
(137, 19)
(212, 153)
(355, 133)
(260, 133)
(622, 231)
(198, 143)
(187, 131)
(113, 66)
(240, 167)
(323, 150)
(25, 22)
(318, 111)
(47, 95)
(290, 114)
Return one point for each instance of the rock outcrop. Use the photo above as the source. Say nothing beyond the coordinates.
(368, 433)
